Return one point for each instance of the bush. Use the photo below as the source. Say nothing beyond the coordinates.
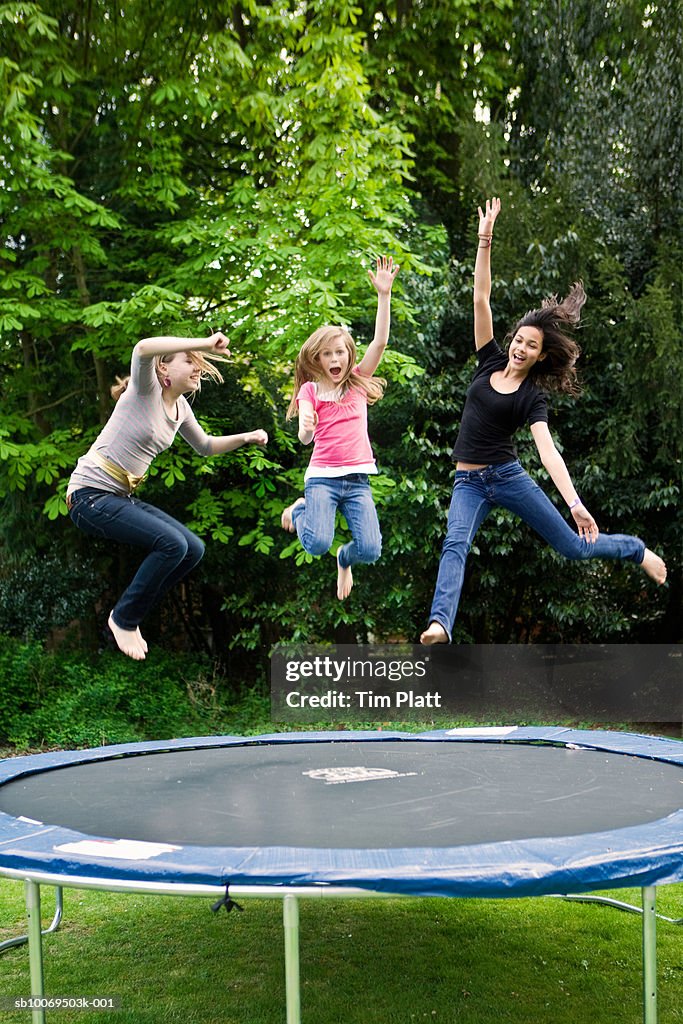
(53, 700)
(41, 593)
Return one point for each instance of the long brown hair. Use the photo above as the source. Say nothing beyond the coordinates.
(203, 362)
(307, 366)
(556, 372)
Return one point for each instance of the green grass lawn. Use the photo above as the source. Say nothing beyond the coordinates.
(387, 961)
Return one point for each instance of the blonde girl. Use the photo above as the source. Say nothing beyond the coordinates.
(151, 409)
(331, 393)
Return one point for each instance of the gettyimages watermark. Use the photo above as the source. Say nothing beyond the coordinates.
(372, 682)
(538, 683)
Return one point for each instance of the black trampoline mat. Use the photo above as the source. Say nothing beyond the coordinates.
(387, 794)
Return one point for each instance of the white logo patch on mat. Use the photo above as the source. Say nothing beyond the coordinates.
(335, 776)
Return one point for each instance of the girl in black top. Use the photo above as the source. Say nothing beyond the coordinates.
(504, 395)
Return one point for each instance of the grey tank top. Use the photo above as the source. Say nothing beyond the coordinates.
(138, 429)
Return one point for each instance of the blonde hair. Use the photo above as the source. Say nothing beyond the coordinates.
(203, 362)
(307, 367)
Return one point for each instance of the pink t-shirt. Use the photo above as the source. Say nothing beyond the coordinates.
(341, 439)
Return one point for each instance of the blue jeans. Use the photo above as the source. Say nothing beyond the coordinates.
(314, 519)
(475, 493)
(173, 550)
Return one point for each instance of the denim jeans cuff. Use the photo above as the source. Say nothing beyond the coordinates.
(124, 625)
(443, 626)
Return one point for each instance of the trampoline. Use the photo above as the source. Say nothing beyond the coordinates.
(491, 813)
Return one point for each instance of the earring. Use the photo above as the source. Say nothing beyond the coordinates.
(167, 382)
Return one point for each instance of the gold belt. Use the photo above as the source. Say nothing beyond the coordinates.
(116, 472)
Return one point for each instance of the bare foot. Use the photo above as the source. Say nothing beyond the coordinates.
(286, 517)
(128, 640)
(654, 566)
(344, 580)
(142, 640)
(434, 634)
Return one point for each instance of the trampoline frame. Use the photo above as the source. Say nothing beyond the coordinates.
(291, 930)
(290, 895)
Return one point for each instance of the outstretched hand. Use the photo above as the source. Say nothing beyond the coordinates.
(256, 437)
(487, 217)
(384, 277)
(586, 525)
(219, 343)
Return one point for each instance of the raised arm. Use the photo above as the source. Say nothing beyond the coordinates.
(483, 321)
(382, 281)
(165, 346)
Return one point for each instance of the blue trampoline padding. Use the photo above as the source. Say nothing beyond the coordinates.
(641, 855)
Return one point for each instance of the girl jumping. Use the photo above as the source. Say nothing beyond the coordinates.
(332, 394)
(151, 409)
(505, 394)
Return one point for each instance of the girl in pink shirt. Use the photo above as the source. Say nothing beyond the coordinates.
(332, 394)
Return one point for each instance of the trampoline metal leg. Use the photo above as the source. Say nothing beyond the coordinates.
(52, 927)
(290, 915)
(649, 955)
(35, 946)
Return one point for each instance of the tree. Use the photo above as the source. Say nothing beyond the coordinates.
(160, 169)
(433, 67)
(596, 123)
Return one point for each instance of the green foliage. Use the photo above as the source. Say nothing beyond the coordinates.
(433, 67)
(50, 699)
(26, 676)
(39, 594)
(599, 100)
(257, 208)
